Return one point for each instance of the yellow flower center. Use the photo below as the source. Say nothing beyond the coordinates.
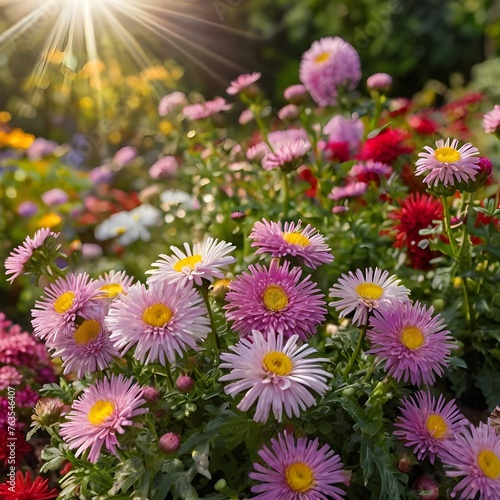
(369, 291)
(187, 262)
(299, 476)
(100, 412)
(436, 426)
(447, 155)
(157, 315)
(64, 302)
(111, 289)
(49, 220)
(323, 57)
(120, 230)
(489, 463)
(278, 363)
(275, 298)
(412, 337)
(87, 331)
(296, 239)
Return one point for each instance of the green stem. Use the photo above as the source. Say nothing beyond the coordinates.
(286, 194)
(169, 375)
(213, 339)
(356, 352)
(447, 226)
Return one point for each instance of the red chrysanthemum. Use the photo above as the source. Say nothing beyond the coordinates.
(416, 212)
(386, 147)
(26, 489)
(422, 124)
(22, 446)
(306, 175)
(337, 151)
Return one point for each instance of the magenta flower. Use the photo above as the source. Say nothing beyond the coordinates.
(171, 101)
(369, 171)
(291, 240)
(491, 120)
(474, 456)
(448, 165)
(40, 147)
(411, 341)
(101, 414)
(243, 82)
(379, 81)
(427, 425)
(9, 377)
(286, 154)
(330, 63)
(276, 375)
(298, 470)
(54, 197)
(275, 300)
(344, 130)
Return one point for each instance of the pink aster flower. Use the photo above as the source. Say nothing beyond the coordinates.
(349, 191)
(362, 293)
(330, 63)
(164, 168)
(474, 456)
(205, 261)
(298, 470)
(288, 112)
(413, 343)
(348, 130)
(243, 82)
(125, 155)
(162, 322)
(491, 120)
(295, 93)
(275, 300)
(279, 137)
(291, 240)
(57, 310)
(103, 411)
(277, 375)
(19, 257)
(286, 155)
(379, 81)
(54, 197)
(246, 116)
(200, 111)
(448, 165)
(171, 101)
(370, 171)
(113, 285)
(9, 377)
(427, 425)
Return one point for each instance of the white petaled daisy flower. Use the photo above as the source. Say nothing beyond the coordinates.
(291, 240)
(113, 285)
(448, 164)
(205, 261)
(362, 293)
(100, 414)
(162, 321)
(276, 375)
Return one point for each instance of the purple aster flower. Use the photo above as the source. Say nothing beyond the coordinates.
(55, 197)
(474, 456)
(413, 343)
(162, 322)
(295, 93)
(40, 148)
(349, 191)
(288, 112)
(171, 101)
(205, 261)
(16, 262)
(101, 414)
(427, 425)
(62, 303)
(164, 168)
(344, 130)
(298, 470)
(447, 164)
(286, 155)
(330, 63)
(379, 81)
(362, 293)
(275, 300)
(9, 377)
(276, 375)
(125, 155)
(243, 82)
(101, 175)
(306, 244)
(491, 120)
(27, 209)
(200, 111)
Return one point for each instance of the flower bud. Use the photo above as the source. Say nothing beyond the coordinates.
(185, 383)
(219, 288)
(170, 443)
(379, 81)
(150, 394)
(494, 419)
(404, 464)
(427, 488)
(48, 411)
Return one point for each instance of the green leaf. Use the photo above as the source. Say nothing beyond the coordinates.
(489, 383)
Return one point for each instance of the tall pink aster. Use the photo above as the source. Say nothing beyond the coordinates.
(171, 101)
(103, 411)
(200, 111)
(287, 155)
(204, 261)
(369, 171)
(277, 375)
(329, 64)
(491, 120)
(362, 293)
(427, 425)
(379, 81)
(57, 310)
(243, 82)
(342, 132)
(474, 456)
(291, 240)
(275, 299)
(413, 343)
(162, 321)
(15, 263)
(448, 164)
(298, 470)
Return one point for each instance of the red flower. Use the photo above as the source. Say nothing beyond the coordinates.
(422, 124)
(306, 175)
(337, 151)
(386, 147)
(22, 447)
(418, 211)
(25, 489)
